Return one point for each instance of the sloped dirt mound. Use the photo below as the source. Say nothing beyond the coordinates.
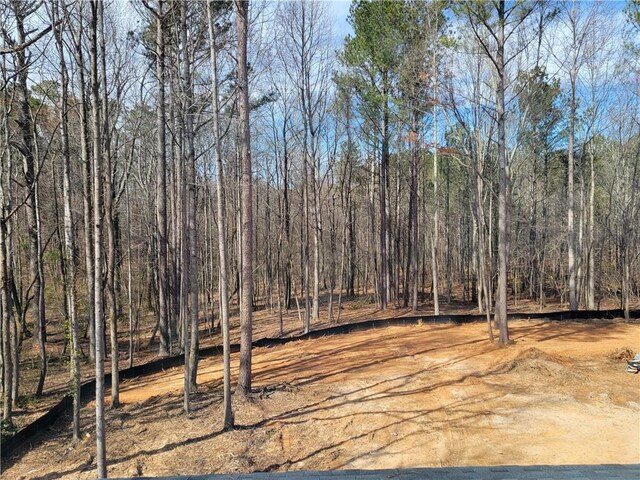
(534, 361)
(622, 353)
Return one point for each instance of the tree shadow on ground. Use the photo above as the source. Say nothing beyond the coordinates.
(314, 366)
(586, 331)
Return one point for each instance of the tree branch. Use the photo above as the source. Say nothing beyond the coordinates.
(28, 43)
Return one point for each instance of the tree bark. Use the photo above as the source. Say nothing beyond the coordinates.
(7, 309)
(591, 283)
(69, 240)
(109, 224)
(434, 235)
(26, 128)
(86, 184)
(161, 185)
(384, 173)
(223, 292)
(571, 234)
(503, 248)
(246, 304)
(96, 22)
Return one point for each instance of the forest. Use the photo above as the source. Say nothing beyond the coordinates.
(173, 173)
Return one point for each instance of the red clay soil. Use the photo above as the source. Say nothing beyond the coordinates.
(266, 324)
(425, 395)
(29, 408)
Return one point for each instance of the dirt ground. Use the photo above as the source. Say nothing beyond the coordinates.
(427, 395)
(266, 324)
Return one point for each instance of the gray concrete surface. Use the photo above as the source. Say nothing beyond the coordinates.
(542, 472)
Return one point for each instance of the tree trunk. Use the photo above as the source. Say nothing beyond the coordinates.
(69, 240)
(86, 184)
(411, 273)
(571, 234)
(9, 347)
(503, 249)
(161, 186)
(246, 304)
(434, 235)
(591, 283)
(129, 279)
(6, 307)
(304, 231)
(193, 248)
(96, 23)
(287, 219)
(223, 293)
(109, 214)
(478, 162)
(26, 128)
(384, 172)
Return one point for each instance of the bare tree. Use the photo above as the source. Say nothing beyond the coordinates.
(579, 25)
(5, 297)
(493, 26)
(27, 148)
(109, 220)
(160, 16)
(95, 25)
(69, 238)
(246, 303)
(78, 40)
(304, 55)
(222, 234)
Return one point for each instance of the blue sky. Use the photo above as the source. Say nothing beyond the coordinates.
(340, 10)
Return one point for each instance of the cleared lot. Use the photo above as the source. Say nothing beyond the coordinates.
(427, 395)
